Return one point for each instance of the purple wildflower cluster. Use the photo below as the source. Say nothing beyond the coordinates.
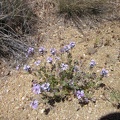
(37, 88)
(34, 104)
(37, 62)
(27, 68)
(45, 87)
(67, 48)
(49, 60)
(53, 51)
(30, 51)
(92, 63)
(42, 50)
(64, 66)
(80, 94)
(104, 72)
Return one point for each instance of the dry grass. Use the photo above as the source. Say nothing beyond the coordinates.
(16, 20)
(89, 12)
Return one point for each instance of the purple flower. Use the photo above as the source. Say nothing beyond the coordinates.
(92, 63)
(53, 51)
(72, 44)
(37, 62)
(64, 66)
(104, 72)
(17, 67)
(36, 88)
(34, 104)
(45, 86)
(27, 68)
(76, 68)
(49, 60)
(41, 50)
(80, 94)
(62, 50)
(30, 51)
(67, 48)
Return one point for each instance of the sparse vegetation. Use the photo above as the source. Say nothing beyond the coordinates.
(89, 12)
(16, 20)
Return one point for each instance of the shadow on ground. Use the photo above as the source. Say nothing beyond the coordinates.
(111, 116)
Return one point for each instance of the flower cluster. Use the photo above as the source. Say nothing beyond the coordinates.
(104, 72)
(42, 50)
(37, 62)
(45, 87)
(80, 94)
(30, 51)
(67, 48)
(92, 63)
(62, 76)
(37, 88)
(64, 66)
(49, 60)
(27, 68)
(53, 51)
(34, 104)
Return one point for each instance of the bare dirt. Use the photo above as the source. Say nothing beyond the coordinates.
(15, 86)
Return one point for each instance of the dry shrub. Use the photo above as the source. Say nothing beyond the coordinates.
(89, 12)
(16, 21)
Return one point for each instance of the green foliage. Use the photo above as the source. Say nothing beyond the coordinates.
(63, 83)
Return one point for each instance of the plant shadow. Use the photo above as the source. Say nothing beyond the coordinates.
(111, 116)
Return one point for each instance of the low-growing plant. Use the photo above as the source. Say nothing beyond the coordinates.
(61, 78)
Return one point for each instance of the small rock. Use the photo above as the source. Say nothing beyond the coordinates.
(91, 50)
(42, 111)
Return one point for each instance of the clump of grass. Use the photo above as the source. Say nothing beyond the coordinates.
(89, 12)
(16, 21)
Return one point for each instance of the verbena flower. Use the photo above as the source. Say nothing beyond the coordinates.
(80, 94)
(62, 50)
(67, 48)
(27, 68)
(72, 44)
(104, 72)
(34, 104)
(45, 86)
(64, 66)
(17, 67)
(37, 62)
(30, 51)
(41, 50)
(92, 63)
(49, 60)
(76, 68)
(36, 88)
(53, 51)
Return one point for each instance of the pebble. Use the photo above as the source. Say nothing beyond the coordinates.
(23, 98)
(42, 111)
